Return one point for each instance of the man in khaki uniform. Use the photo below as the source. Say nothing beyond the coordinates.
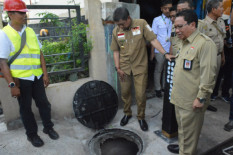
(215, 28)
(174, 38)
(130, 57)
(193, 80)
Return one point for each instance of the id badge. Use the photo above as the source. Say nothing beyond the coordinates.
(187, 64)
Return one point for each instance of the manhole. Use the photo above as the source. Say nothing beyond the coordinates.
(115, 142)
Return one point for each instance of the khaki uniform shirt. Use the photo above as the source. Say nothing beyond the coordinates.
(215, 30)
(175, 41)
(195, 70)
(132, 46)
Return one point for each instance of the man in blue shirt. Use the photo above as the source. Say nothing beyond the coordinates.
(162, 26)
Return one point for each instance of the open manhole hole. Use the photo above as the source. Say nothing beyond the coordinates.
(115, 142)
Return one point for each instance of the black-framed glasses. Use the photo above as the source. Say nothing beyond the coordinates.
(179, 26)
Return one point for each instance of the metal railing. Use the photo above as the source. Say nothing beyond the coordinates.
(61, 32)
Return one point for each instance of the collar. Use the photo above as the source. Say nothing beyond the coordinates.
(164, 16)
(210, 20)
(192, 36)
(132, 24)
(22, 30)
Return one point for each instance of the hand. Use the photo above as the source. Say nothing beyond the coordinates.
(15, 92)
(121, 74)
(223, 60)
(169, 56)
(197, 104)
(46, 80)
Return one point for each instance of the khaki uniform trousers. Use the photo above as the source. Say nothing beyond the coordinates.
(140, 82)
(189, 127)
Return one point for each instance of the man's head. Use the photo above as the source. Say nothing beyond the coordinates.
(173, 13)
(16, 10)
(184, 5)
(186, 23)
(121, 18)
(215, 8)
(165, 6)
(18, 18)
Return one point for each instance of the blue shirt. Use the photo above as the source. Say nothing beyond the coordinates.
(162, 27)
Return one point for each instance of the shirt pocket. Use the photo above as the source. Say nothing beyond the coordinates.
(162, 27)
(188, 59)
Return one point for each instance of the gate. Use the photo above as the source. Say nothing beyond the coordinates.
(70, 60)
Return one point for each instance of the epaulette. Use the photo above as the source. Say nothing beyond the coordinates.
(205, 36)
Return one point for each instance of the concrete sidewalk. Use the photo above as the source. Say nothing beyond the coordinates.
(74, 137)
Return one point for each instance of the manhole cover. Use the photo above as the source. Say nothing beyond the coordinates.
(95, 104)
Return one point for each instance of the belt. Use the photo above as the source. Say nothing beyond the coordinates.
(219, 53)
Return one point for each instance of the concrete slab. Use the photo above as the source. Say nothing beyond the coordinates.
(74, 137)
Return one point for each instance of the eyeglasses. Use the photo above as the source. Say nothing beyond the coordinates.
(180, 26)
(22, 13)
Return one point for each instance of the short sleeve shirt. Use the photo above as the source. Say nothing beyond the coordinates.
(7, 47)
(131, 45)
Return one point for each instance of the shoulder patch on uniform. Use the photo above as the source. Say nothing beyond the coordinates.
(148, 27)
(205, 36)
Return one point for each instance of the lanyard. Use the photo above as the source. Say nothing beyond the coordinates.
(166, 24)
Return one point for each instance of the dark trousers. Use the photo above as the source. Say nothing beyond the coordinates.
(231, 100)
(225, 72)
(34, 89)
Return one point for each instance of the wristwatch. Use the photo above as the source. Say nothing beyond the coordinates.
(11, 85)
(202, 100)
(116, 68)
(165, 54)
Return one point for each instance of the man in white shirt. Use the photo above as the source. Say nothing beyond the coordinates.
(26, 75)
(162, 26)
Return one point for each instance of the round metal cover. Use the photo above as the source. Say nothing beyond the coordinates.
(95, 104)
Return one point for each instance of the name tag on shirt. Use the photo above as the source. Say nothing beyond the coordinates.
(187, 64)
(136, 30)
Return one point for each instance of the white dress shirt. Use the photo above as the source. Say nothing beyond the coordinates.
(162, 27)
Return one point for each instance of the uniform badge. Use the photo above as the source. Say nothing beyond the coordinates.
(136, 30)
(187, 64)
(148, 27)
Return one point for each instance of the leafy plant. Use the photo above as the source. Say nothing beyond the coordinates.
(50, 18)
(71, 47)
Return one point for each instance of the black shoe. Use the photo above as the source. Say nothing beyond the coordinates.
(211, 108)
(173, 148)
(158, 93)
(36, 141)
(125, 120)
(228, 126)
(1, 111)
(143, 125)
(52, 133)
